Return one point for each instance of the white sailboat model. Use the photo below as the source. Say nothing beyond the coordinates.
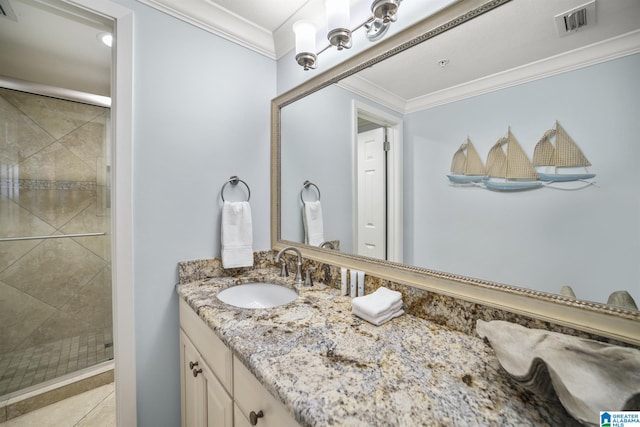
(467, 166)
(565, 154)
(512, 171)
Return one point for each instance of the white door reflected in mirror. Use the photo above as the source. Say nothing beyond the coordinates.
(372, 201)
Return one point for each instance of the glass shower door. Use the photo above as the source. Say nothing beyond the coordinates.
(55, 263)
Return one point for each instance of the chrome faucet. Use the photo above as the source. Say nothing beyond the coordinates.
(328, 244)
(283, 273)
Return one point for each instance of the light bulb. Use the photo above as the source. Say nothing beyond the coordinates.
(305, 33)
(338, 22)
(337, 12)
(106, 38)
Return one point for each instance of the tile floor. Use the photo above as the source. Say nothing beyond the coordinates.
(93, 408)
(24, 368)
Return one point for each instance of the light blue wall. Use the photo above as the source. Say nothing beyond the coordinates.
(316, 146)
(544, 238)
(316, 137)
(201, 114)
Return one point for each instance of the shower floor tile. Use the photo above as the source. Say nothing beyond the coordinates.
(24, 368)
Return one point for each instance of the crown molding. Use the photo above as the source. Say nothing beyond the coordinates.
(363, 87)
(219, 21)
(616, 47)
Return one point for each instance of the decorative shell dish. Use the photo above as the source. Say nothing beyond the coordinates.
(587, 376)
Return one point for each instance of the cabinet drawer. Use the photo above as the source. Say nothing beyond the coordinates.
(210, 347)
(250, 395)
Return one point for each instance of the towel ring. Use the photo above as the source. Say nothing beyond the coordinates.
(234, 180)
(305, 186)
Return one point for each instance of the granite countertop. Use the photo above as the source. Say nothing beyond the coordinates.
(329, 367)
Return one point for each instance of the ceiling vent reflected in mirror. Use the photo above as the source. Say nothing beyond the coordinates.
(572, 20)
(6, 11)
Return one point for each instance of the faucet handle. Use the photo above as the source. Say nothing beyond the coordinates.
(307, 277)
(284, 271)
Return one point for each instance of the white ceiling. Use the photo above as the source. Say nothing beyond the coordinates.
(517, 33)
(261, 25)
(55, 44)
(68, 54)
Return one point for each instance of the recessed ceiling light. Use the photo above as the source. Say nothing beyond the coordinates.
(106, 38)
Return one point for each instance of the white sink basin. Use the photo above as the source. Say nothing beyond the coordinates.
(257, 295)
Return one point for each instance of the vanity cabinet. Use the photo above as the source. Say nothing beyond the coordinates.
(206, 374)
(205, 402)
(216, 389)
(252, 400)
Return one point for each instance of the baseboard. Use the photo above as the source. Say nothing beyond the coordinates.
(62, 388)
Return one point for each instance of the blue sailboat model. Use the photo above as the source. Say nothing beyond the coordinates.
(566, 154)
(467, 166)
(510, 171)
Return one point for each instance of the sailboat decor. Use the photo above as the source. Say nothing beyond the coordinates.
(512, 171)
(467, 168)
(565, 154)
(508, 167)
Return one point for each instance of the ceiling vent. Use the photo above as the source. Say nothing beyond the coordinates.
(572, 20)
(6, 11)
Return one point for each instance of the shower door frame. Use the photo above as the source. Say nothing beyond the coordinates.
(121, 208)
(121, 199)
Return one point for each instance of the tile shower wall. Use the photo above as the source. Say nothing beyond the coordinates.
(55, 294)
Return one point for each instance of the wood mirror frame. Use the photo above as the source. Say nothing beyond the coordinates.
(600, 319)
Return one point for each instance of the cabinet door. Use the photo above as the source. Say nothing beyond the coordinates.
(214, 352)
(205, 402)
(240, 419)
(219, 406)
(192, 395)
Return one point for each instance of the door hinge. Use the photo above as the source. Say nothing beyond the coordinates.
(386, 146)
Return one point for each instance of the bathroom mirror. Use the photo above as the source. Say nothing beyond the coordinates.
(512, 250)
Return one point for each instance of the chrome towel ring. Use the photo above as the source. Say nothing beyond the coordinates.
(234, 180)
(306, 186)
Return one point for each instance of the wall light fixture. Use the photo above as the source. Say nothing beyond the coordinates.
(305, 33)
(383, 13)
(338, 21)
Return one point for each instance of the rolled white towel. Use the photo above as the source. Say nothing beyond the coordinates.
(380, 319)
(379, 302)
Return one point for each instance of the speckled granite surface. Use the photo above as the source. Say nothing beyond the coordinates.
(331, 368)
(444, 310)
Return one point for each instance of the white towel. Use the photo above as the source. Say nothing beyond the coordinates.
(394, 307)
(381, 319)
(236, 235)
(312, 220)
(377, 303)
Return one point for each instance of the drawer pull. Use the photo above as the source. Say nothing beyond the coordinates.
(196, 372)
(253, 417)
(192, 365)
